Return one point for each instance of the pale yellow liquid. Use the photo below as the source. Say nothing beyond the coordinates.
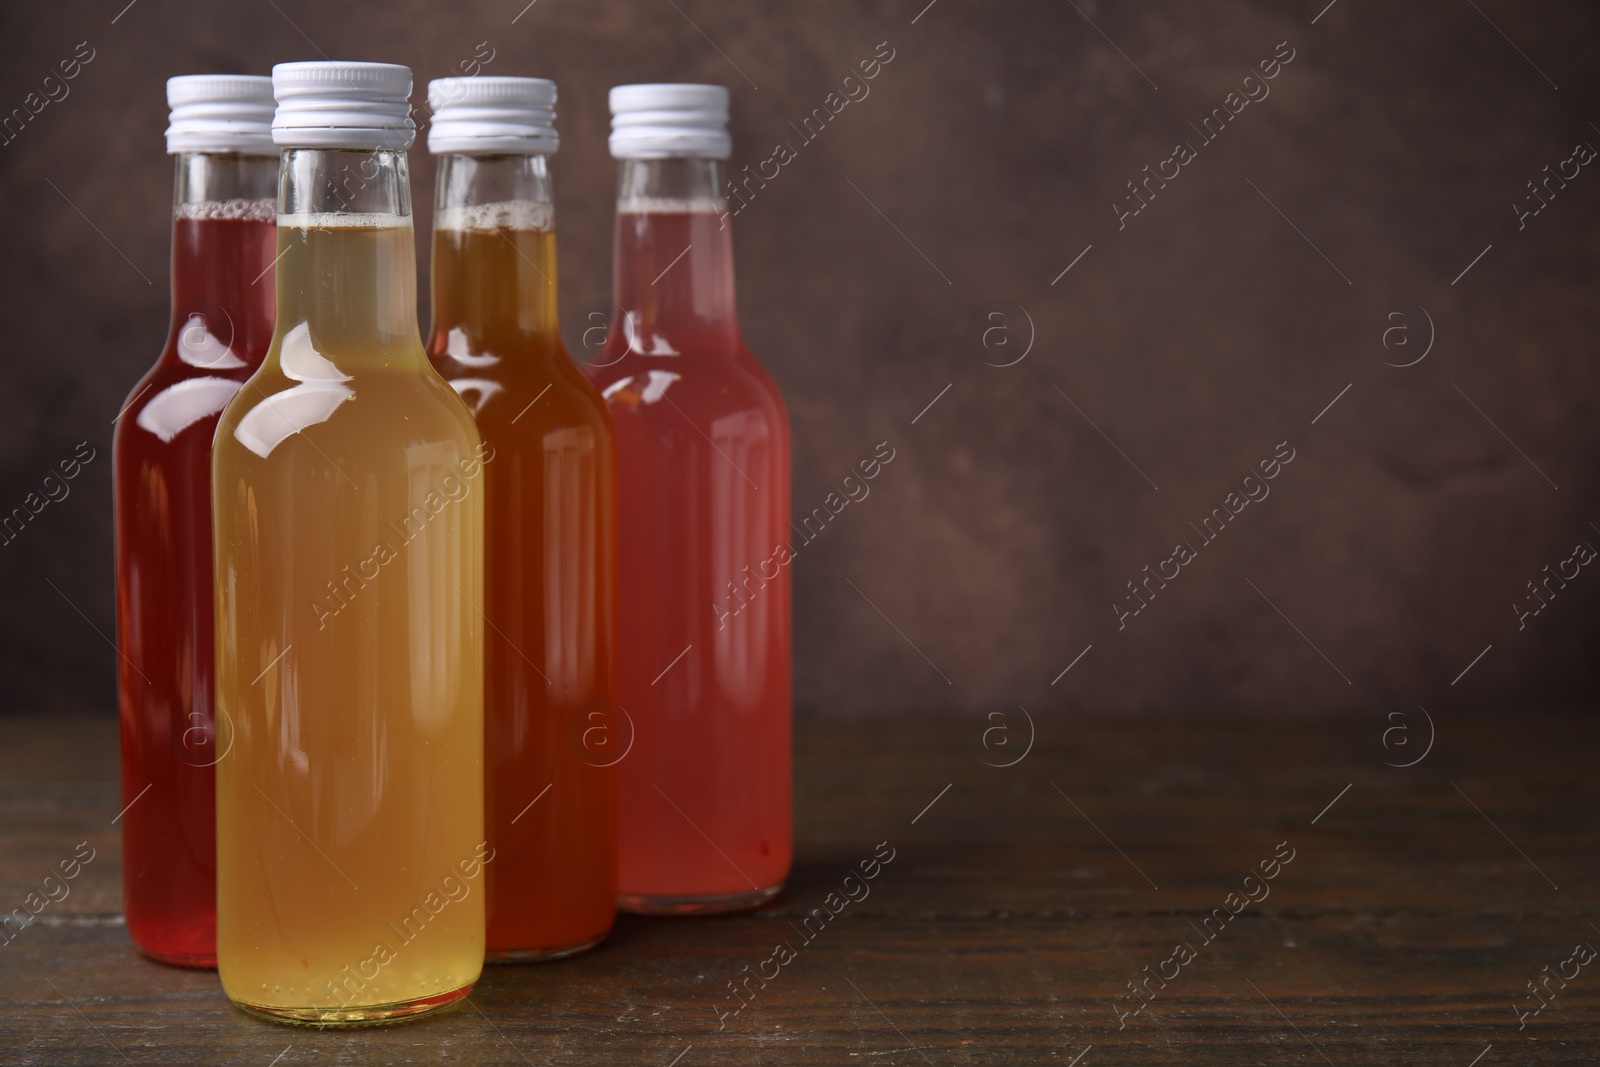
(350, 801)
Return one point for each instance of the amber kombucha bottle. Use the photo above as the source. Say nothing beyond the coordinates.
(703, 520)
(348, 497)
(224, 204)
(552, 736)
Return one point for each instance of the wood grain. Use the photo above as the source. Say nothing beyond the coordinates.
(1016, 910)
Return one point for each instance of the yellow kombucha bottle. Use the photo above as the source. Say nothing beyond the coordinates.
(348, 517)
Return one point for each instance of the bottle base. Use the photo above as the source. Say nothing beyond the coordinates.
(717, 904)
(363, 1015)
(177, 959)
(540, 955)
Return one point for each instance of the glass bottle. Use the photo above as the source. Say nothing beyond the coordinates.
(703, 518)
(552, 742)
(222, 248)
(349, 538)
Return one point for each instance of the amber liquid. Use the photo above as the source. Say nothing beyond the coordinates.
(348, 497)
(552, 734)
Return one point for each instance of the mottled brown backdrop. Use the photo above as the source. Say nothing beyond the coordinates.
(920, 241)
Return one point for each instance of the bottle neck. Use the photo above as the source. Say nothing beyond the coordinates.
(347, 266)
(494, 257)
(673, 265)
(223, 210)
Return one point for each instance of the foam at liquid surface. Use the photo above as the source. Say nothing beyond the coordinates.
(243, 210)
(345, 220)
(499, 214)
(673, 205)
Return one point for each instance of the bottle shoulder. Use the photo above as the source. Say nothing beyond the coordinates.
(730, 382)
(179, 399)
(758, 371)
(664, 406)
(364, 416)
(525, 393)
(188, 353)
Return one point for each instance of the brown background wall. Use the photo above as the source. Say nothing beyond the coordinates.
(1196, 338)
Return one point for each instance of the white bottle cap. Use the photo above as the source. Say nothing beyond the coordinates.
(220, 113)
(343, 105)
(482, 116)
(670, 121)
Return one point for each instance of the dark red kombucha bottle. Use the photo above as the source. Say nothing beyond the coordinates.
(223, 237)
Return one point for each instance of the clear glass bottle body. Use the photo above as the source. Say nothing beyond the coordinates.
(347, 488)
(224, 207)
(550, 726)
(704, 639)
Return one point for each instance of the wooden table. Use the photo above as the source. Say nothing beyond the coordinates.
(1021, 901)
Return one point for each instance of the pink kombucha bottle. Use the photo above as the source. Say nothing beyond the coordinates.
(703, 518)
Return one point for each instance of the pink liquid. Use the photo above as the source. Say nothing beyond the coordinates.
(704, 616)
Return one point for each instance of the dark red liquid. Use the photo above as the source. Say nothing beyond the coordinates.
(703, 532)
(221, 325)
